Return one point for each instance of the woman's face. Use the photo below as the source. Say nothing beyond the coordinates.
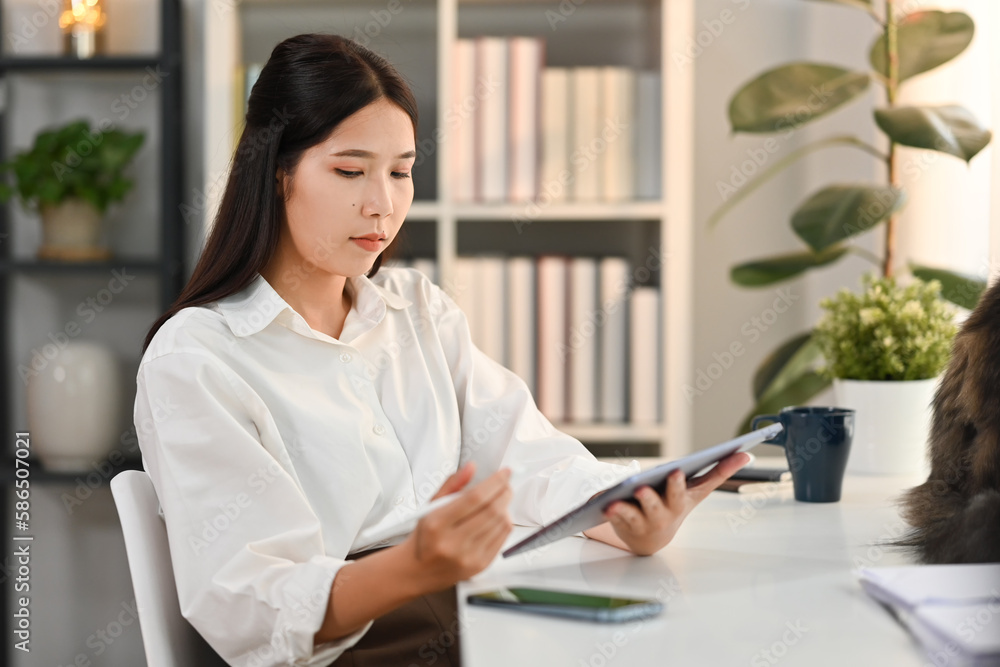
(349, 194)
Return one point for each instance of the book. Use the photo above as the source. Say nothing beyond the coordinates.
(551, 395)
(644, 359)
(461, 122)
(491, 119)
(587, 111)
(949, 609)
(648, 135)
(613, 340)
(464, 294)
(521, 318)
(556, 133)
(489, 285)
(525, 67)
(617, 161)
(581, 340)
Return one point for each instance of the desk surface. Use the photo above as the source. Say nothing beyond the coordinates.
(752, 579)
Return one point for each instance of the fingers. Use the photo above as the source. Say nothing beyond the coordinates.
(475, 499)
(492, 539)
(652, 504)
(491, 515)
(676, 487)
(626, 515)
(717, 475)
(457, 481)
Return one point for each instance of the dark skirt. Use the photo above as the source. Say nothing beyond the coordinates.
(421, 633)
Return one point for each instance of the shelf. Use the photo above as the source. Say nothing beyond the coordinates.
(64, 63)
(561, 211)
(424, 210)
(598, 433)
(41, 475)
(42, 266)
(558, 212)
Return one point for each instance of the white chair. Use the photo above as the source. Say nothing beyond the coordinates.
(169, 640)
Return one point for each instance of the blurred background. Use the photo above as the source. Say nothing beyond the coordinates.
(659, 367)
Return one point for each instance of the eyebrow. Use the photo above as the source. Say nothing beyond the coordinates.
(357, 152)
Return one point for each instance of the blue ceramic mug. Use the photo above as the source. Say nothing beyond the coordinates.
(817, 441)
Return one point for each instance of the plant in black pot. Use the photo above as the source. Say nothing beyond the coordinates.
(70, 176)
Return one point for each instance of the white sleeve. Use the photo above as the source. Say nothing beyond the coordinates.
(251, 570)
(502, 426)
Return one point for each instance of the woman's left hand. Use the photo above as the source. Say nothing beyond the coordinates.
(647, 529)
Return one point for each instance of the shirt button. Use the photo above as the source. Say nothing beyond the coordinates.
(345, 357)
(398, 500)
(379, 429)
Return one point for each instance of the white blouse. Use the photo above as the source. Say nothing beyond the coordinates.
(271, 446)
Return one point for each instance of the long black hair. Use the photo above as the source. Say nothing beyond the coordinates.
(307, 87)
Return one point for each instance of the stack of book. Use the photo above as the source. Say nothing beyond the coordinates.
(577, 330)
(952, 610)
(520, 131)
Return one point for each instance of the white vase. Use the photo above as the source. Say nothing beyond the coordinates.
(891, 424)
(74, 407)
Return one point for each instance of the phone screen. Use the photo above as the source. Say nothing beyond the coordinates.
(564, 603)
(538, 596)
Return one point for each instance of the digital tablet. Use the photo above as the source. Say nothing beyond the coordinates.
(591, 513)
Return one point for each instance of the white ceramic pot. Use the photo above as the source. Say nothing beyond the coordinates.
(71, 230)
(73, 407)
(891, 424)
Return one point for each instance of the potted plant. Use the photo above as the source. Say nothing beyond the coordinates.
(70, 176)
(884, 350)
(905, 45)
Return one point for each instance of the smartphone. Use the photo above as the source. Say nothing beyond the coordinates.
(571, 605)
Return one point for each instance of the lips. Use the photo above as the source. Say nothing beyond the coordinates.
(370, 242)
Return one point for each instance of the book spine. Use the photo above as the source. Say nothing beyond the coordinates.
(525, 76)
(582, 339)
(644, 335)
(613, 375)
(464, 289)
(489, 276)
(462, 122)
(647, 137)
(617, 129)
(521, 308)
(552, 337)
(587, 111)
(556, 128)
(491, 127)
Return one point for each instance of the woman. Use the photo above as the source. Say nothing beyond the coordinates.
(300, 396)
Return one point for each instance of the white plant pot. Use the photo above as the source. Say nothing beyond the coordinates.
(891, 424)
(73, 407)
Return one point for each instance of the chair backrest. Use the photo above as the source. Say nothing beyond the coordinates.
(169, 640)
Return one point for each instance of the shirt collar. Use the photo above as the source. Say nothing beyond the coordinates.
(257, 305)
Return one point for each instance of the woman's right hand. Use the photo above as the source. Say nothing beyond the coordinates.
(462, 538)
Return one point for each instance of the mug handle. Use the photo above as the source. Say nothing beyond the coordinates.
(776, 440)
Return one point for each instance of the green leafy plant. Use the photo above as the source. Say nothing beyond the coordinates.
(792, 95)
(887, 332)
(72, 161)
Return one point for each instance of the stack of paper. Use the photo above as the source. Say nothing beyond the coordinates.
(952, 610)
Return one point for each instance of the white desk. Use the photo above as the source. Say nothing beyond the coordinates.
(747, 581)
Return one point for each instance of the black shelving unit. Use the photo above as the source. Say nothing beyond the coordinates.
(167, 267)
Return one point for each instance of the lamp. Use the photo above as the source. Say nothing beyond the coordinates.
(82, 23)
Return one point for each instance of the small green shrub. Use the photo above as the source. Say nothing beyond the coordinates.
(887, 332)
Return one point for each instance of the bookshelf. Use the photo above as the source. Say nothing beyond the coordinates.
(420, 39)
